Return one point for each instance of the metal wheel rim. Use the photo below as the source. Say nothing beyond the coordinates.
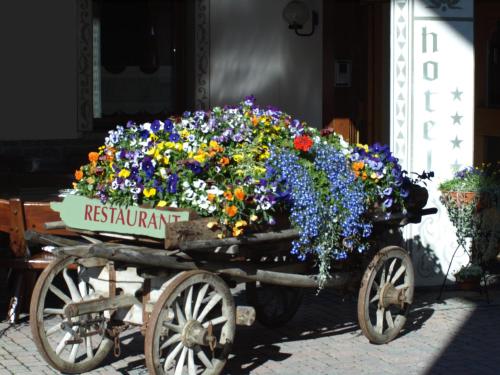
(191, 296)
(380, 323)
(96, 349)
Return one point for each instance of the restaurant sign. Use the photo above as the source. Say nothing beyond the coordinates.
(83, 213)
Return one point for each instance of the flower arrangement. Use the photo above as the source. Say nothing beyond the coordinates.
(465, 196)
(245, 166)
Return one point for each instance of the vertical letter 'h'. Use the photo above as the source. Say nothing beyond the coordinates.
(425, 34)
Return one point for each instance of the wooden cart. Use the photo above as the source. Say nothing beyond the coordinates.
(181, 299)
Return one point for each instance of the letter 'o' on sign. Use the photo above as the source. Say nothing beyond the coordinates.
(83, 213)
(430, 70)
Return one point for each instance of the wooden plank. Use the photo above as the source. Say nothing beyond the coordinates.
(17, 225)
(38, 213)
(176, 233)
(257, 238)
(4, 216)
(291, 274)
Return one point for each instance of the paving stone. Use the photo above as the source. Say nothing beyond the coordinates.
(458, 336)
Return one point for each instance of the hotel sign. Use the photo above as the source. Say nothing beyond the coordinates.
(432, 109)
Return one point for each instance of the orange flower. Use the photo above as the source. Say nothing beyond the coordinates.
(358, 165)
(239, 194)
(224, 161)
(211, 197)
(231, 210)
(93, 157)
(255, 120)
(228, 195)
(364, 176)
(78, 175)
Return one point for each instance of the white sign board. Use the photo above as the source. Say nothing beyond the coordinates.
(432, 119)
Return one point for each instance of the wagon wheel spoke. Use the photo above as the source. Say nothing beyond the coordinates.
(172, 356)
(391, 268)
(209, 306)
(173, 327)
(62, 343)
(375, 298)
(171, 340)
(214, 322)
(59, 293)
(191, 364)
(181, 361)
(382, 277)
(73, 290)
(180, 317)
(52, 311)
(375, 285)
(89, 348)
(402, 286)
(380, 320)
(74, 352)
(83, 289)
(388, 318)
(188, 304)
(202, 357)
(199, 299)
(398, 274)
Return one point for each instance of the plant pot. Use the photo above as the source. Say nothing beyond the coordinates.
(470, 283)
(460, 198)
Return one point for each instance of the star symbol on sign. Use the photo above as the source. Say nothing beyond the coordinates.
(457, 95)
(456, 142)
(457, 118)
(455, 166)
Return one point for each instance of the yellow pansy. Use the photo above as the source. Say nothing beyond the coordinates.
(161, 204)
(149, 192)
(200, 158)
(259, 170)
(254, 217)
(238, 158)
(124, 173)
(184, 133)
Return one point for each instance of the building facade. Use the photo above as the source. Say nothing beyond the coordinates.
(421, 75)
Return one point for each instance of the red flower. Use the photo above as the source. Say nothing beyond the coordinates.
(303, 143)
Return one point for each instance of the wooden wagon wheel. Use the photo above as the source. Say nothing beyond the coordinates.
(73, 345)
(192, 326)
(386, 294)
(275, 305)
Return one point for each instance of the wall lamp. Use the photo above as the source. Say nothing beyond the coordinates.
(296, 13)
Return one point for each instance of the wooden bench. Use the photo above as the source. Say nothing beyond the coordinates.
(23, 262)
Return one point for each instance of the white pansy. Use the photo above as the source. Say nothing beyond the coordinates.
(199, 184)
(215, 191)
(146, 126)
(185, 184)
(163, 173)
(173, 204)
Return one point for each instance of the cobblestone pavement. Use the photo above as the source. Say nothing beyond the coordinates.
(460, 335)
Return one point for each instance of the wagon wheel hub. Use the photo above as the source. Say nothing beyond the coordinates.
(194, 334)
(389, 295)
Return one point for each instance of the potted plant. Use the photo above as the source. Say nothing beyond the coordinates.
(469, 198)
(469, 277)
